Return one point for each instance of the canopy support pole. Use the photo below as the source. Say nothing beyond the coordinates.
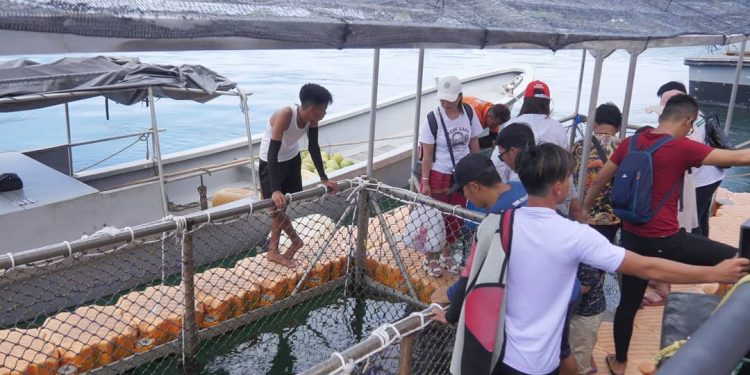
(373, 108)
(733, 97)
(417, 118)
(245, 112)
(157, 152)
(70, 141)
(578, 98)
(600, 55)
(629, 92)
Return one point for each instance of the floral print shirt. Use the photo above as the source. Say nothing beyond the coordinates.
(601, 212)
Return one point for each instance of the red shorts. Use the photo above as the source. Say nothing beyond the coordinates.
(439, 185)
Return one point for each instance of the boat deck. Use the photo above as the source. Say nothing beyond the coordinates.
(725, 227)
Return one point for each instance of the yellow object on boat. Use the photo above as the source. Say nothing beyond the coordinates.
(227, 195)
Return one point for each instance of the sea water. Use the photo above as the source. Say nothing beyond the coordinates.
(274, 78)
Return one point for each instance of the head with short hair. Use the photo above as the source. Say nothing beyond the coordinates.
(545, 170)
(680, 112)
(671, 85)
(315, 98)
(512, 139)
(497, 115)
(608, 114)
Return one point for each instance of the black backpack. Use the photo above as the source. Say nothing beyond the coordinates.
(715, 136)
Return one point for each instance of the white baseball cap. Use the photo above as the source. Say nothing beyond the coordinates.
(449, 88)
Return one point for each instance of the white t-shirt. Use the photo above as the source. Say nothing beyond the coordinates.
(707, 174)
(545, 128)
(460, 133)
(546, 250)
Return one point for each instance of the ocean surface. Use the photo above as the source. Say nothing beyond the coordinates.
(274, 77)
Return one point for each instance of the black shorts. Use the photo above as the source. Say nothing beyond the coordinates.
(288, 172)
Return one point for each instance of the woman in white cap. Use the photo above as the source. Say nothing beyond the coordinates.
(450, 133)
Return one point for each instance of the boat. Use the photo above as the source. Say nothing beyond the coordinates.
(712, 77)
(141, 191)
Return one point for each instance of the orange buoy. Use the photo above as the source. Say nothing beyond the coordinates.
(224, 293)
(26, 351)
(157, 314)
(90, 337)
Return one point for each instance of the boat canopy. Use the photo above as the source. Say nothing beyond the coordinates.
(25, 84)
(51, 26)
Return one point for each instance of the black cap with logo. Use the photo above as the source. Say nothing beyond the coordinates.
(469, 169)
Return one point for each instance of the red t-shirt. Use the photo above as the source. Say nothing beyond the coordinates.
(670, 163)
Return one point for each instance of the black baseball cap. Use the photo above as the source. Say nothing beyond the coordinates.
(469, 169)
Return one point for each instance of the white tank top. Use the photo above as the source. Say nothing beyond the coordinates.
(289, 140)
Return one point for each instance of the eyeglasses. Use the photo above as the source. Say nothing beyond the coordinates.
(500, 155)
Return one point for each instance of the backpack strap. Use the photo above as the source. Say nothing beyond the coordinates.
(661, 142)
(599, 149)
(447, 140)
(506, 238)
(469, 112)
(432, 122)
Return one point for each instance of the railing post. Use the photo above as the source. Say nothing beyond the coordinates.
(405, 354)
(189, 325)
(362, 224)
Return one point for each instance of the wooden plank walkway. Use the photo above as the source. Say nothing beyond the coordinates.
(725, 227)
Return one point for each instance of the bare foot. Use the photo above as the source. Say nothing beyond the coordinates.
(275, 257)
(296, 245)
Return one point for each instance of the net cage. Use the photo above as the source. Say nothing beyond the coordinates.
(197, 294)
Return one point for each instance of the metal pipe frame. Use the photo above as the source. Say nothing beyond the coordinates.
(165, 225)
(411, 196)
(629, 91)
(733, 97)
(189, 326)
(157, 152)
(578, 97)
(600, 55)
(417, 119)
(70, 145)
(373, 108)
(76, 95)
(114, 138)
(246, 114)
(357, 352)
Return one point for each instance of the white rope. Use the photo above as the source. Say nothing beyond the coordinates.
(132, 234)
(340, 357)
(12, 261)
(289, 196)
(70, 249)
(208, 216)
(453, 211)
(179, 221)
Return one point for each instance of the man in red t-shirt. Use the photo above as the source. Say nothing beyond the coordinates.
(662, 236)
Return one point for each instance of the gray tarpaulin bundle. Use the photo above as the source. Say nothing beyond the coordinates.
(78, 75)
(132, 24)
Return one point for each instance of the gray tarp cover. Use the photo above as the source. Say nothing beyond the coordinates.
(124, 81)
(375, 23)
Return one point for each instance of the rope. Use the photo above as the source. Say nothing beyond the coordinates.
(70, 249)
(132, 234)
(12, 261)
(346, 367)
(289, 196)
(143, 137)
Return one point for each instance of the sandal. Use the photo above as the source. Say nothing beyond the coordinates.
(607, 359)
(432, 267)
(450, 264)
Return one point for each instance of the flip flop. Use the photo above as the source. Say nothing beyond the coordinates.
(609, 365)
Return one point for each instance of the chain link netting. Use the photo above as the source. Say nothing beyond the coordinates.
(122, 307)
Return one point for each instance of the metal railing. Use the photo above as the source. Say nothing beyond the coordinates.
(158, 296)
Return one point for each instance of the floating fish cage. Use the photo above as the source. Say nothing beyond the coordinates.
(196, 293)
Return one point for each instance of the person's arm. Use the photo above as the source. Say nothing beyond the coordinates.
(576, 211)
(727, 158)
(314, 148)
(474, 145)
(602, 178)
(658, 269)
(427, 151)
(457, 300)
(279, 123)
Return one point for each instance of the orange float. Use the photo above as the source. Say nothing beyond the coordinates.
(26, 351)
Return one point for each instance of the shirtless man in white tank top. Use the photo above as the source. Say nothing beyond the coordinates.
(280, 165)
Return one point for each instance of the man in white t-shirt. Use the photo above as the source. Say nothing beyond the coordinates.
(546, 250)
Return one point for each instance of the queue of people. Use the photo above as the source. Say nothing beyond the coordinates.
(530, 299)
